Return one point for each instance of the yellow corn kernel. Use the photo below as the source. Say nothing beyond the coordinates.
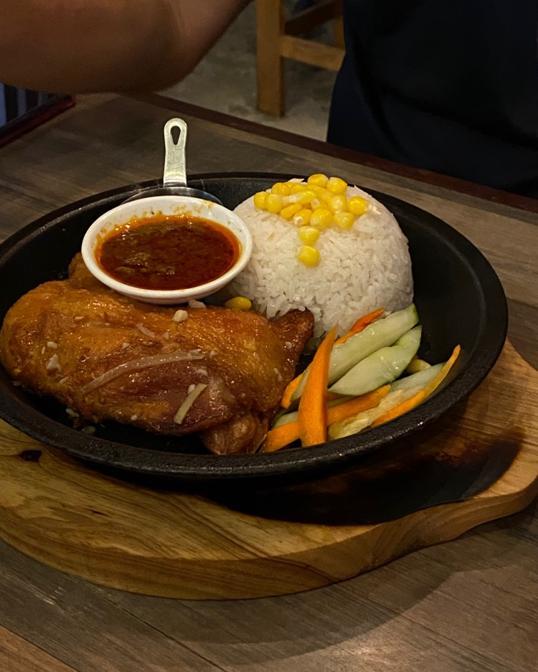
(307, 196)
(315, 203)
(290, 210)
(357, 205)
(302, 218)
(326, 197)
(239, 303)
(344, 220)
(281, 188)
(319, 179)
(337, 202)
(321, 193)
(297, 187)
(260, 200)
(304, 197)
(321, 218)
(274, 203)
(308, 255)
(308, 234)
(336, 185)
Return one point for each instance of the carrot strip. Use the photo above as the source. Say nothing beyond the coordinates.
(357, 326)
(443, 373)
(312, 416)
(361, 324)
(367, 319)
(287, 397)
(400, 409)
(421, 395)
(283, 435)
(349, 408)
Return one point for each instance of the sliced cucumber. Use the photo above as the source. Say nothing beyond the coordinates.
(284, 418)
(363, 420)
(417, 364)
(381, 367)
(414, 382)
(378, 335)
(420, 379)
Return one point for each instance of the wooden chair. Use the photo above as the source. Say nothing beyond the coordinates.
(277, 39)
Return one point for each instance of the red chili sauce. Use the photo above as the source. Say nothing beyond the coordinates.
(168, 252)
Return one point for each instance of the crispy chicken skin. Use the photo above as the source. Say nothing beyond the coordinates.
(108, 357)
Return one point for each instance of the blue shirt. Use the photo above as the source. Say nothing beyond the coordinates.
(447, 85)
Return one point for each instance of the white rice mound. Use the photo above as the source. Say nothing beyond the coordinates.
(361, 269)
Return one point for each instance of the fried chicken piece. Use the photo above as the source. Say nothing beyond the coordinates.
(110, 358)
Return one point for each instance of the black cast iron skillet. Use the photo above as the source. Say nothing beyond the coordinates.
(457, 293)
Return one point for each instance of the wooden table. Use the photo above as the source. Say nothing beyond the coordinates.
(468, 605)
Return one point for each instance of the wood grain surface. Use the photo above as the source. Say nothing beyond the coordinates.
(269, 63)
(277, 38)
(469, 605)
(18, 655)
(313, 53)
(175, 544)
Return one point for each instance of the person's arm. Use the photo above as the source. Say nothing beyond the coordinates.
(103, 45)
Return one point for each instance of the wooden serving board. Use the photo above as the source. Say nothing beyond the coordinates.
(261, 543)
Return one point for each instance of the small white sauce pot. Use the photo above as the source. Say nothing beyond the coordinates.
(166, 205)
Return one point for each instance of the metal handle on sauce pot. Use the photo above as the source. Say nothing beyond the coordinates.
(175, 172)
